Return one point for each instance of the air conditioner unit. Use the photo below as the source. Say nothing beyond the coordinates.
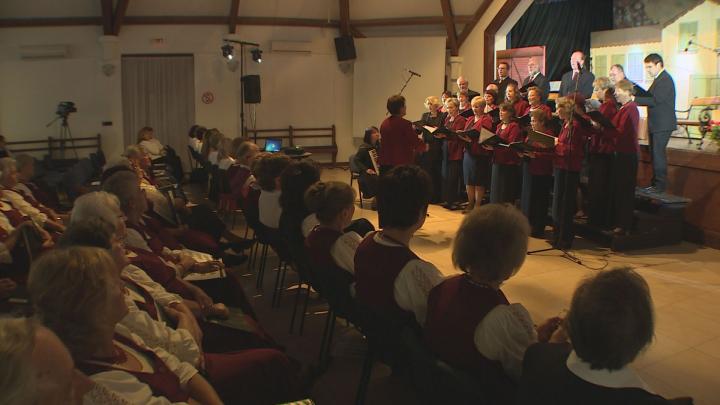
(302, 47)
(44, 51)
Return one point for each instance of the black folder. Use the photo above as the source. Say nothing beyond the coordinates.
(523, 121)
(467, 113)
(495, 115)
(600, 119)
(488, 138)
(540, 140)
(525, 88)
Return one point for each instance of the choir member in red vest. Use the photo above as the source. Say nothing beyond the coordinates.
(330, 247)
(389, 277)
(470, 324)
(505, 183)
(600, 156)
(400, 142)
(79, 296)
(454, 153)
(537, 178)
(569, 153)
(443, 98)
(610, 322)
(491, 103)
(535, 96)
(625, 162)
(476, 161)
(513, 97)
(464, 102)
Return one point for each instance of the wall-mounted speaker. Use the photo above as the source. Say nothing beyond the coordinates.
(345, 48)
(251, 89)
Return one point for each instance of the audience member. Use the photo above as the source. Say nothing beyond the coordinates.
(610, 322)
(470, 323)
(368, 175)
(267, 173)
(389, 277)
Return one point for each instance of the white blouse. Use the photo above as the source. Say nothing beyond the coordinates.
(126, 386)
(153, 147)
(504, 335)
(623, 378)
(343, 251)
(308, 224)
(225, 163)
(413, 283)
(269, 208)
(23, 206)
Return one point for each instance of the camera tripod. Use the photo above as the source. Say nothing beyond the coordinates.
(65, 135)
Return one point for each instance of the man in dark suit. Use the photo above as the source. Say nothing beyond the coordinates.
(661, 118)
(567, 83)
(503, 78)
(464, 87)
(534, 75)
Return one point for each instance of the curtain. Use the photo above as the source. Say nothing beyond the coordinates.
(562, 26)
(159, 92)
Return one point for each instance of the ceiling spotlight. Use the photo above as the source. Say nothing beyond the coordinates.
(227, 51)
(257, 55)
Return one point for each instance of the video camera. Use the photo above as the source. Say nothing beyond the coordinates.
(64, 108)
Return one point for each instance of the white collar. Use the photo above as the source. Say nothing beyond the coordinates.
(659, 73)
(623, 378)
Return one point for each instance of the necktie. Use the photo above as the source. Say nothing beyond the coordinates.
(575, 75)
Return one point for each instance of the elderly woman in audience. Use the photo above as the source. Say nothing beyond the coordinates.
(79, 295)
(36, 368)
(147, 242)
(610, 322)
(146, 140)
(210, 145)
(389, 277)
(267, 171)
(26, 173)
(297, 220)
(240, 173)
(195, 137)
(239, 376)
(14, 254)
(102, 206)
(8, 181)
(470, 323)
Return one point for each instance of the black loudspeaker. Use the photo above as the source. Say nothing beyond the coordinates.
(345, 48)
(251, 89)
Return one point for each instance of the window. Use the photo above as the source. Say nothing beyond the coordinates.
(686, 33)
(618, 59)
(600, 67)
(635, 67)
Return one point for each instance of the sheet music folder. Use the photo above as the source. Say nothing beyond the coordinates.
(598, 117)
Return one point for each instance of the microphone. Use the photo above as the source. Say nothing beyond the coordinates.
(413, 73)
(690, 42)
(579, 66)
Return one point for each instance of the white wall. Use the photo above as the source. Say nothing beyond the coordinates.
(299, 90)
(381, 70)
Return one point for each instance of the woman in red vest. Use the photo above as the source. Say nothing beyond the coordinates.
(470, 324)
(505, 183)
(454, 153)
(476, 162)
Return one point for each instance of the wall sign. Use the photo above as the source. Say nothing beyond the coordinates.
(208, 97)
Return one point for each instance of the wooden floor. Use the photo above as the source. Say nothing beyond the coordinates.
(684, 359)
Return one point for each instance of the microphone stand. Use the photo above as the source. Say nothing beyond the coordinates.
(406, 83)
(565, 254)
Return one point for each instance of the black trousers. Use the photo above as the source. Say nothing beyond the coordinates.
(539, 203)
(452, 181)
(624, 174)
(658, 146)
(564, 205)
(599, 189)
(505, 183)
(368, 184)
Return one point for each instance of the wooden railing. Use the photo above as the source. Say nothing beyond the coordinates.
(54, 146)
(313, 140)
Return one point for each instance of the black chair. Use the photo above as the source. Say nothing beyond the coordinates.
(355, 175)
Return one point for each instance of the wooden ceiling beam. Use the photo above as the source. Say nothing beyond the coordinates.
(344, 17)
(356, 32)
(107, 16)
(120, 19)
(49, 22)
(120, 10)
(232, 19)
(449, 27)
(473, 22)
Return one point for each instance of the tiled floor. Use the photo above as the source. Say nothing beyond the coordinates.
(684, 359)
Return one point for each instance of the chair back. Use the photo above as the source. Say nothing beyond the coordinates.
(352, 162)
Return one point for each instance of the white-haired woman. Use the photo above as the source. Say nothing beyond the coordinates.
(432, 160)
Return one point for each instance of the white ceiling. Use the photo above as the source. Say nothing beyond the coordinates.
(314, 9)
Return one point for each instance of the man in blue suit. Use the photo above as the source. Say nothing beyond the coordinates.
(661, 118)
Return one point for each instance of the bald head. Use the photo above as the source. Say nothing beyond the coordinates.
(577, 57)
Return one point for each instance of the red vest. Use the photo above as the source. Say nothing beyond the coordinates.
(162, 381)
(626, 133)
(455, 146)
(505, 155)
(376, 268)
(455, 308)
(542, 163)
(520, 106)
(570, 156)
(318, 243)
(484, 122)
(601, 140)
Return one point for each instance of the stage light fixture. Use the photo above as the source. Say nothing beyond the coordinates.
(257, 55)
(227, 51)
